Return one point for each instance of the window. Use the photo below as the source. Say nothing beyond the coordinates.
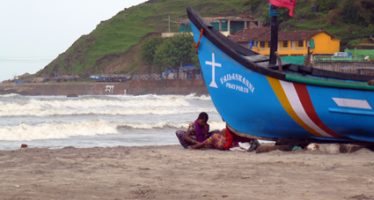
(262, 44)
(285, 44)
(300, 43)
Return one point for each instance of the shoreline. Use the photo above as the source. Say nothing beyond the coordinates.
(132, 87)
(171, 172)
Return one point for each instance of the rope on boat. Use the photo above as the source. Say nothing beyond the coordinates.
(198, 42)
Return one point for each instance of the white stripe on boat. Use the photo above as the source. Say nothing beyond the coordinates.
(296, 105)
(352, 103)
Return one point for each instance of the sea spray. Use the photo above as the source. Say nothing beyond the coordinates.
(111, 105)
(27, 132)
(86, 121)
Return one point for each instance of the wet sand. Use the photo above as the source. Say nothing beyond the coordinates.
(170, 172)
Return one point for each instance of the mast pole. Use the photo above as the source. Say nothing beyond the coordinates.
(169, 19)
(274, 35)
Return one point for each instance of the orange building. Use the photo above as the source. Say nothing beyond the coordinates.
(291, 43)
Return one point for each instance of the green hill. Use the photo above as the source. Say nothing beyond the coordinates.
(116, 39)
(113, 47)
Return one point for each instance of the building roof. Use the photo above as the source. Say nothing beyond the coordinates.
(231, 18)
(263, 34)
(249, 34)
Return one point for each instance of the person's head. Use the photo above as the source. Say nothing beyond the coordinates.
(202, 119)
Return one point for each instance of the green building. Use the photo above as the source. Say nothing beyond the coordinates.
(226, 25)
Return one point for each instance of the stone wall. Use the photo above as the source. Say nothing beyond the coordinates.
(365, 68)
(133, 87)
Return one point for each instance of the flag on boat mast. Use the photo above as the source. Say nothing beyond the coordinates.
(289, 4)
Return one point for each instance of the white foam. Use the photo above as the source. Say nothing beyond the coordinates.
(173, 125)
(27, 118)
(217, 125)
(10, 95)
(56, 130)
(119, 105)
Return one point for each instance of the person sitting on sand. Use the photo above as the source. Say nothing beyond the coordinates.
(221, 140)
(224, 140)
(196, 133)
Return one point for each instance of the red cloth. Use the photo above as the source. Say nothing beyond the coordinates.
(289, 4)
(229, 139)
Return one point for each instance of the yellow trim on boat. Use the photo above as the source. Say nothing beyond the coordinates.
(281, 95)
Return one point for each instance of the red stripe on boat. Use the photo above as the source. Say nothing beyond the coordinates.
(304, 96)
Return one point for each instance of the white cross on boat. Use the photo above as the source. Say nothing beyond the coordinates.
(214, 65)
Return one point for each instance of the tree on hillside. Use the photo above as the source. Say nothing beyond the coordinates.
(326, 5)
(165, 55)
(253, 5)
(175, 51)
(184, 48)
(358, 12)
(148, 50)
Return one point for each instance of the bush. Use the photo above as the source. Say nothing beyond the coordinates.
(169, 52)
(149, 49)
(326, 5)
(358, 12)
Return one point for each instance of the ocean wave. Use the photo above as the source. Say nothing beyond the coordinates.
(27, 132)
(59, 130)
(11, 95)
(105, 105)
(8, 111)
(168, 125)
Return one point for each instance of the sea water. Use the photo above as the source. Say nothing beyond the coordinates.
(99, 121)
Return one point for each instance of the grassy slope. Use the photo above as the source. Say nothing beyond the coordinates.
(119, 36)
(127, 28)
(329, 21)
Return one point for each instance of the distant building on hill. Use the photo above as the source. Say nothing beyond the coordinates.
(110, 77)
(291, 43)
(226, 25)
(186, 72)
(366, 42)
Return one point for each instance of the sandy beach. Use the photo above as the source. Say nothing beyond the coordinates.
(170, 172)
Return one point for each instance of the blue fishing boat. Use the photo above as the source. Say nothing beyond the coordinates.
(261, 98)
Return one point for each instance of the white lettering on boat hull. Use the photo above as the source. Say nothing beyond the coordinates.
(237, 82)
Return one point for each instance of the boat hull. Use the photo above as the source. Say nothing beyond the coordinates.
(263, 106)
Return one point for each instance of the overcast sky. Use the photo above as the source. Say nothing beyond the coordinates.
(34, 32)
